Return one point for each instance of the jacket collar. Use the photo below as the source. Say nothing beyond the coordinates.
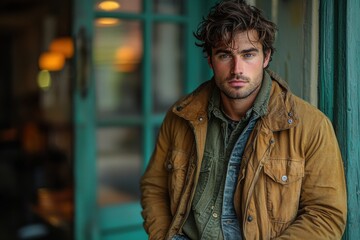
(281, 109)
(194, 106)
(281, 112)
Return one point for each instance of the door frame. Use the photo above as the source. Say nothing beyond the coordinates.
(339, 91)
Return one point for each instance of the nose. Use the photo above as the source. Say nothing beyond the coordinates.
(237, 66)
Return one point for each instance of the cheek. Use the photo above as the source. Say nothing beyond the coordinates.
(220, 69)
(219, 72)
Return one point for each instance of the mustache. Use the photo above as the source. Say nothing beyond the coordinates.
(238, 77)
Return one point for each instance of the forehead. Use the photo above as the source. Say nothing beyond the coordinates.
(242, 40)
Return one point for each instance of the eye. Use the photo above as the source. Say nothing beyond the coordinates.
(224, 56)
(248, 55)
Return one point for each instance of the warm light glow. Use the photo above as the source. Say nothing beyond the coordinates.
(63, 45)
(44, 79)
(108, 5)
(126, 59)
(51, 61)
(107, 22)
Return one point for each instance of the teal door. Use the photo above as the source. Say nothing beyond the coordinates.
(133, 60)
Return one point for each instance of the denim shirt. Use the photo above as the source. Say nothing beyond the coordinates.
(229, 221)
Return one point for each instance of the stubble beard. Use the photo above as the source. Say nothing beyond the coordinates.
(234, 93)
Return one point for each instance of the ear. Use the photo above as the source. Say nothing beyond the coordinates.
(209, 62)
(267, 58)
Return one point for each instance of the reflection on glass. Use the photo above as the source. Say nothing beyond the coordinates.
(134, 6)
(107, 22)
(118, 165)
(117, 66)
(168, 67)
(169, 6)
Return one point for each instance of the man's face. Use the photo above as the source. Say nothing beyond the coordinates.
(238, 71)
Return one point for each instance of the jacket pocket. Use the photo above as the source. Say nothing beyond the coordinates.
(176, 166)
(283, 186)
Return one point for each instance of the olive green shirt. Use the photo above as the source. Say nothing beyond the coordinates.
(204, 220)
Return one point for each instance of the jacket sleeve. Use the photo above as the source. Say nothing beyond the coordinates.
(323, 204)
(154, 188)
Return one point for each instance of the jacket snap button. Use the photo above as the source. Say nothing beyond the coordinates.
(284, 178)
(290, 121)
(249, 218)
(169, 166)
(215, 215)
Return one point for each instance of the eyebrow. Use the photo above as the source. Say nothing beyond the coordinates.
(221, 50)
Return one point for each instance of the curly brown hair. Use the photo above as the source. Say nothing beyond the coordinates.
(229, 17)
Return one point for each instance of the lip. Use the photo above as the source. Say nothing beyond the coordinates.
(237, 83)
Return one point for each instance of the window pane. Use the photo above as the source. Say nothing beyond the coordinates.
(169, 6)
(118, 165)
(168, 67)
(117, 66)
(119, 5)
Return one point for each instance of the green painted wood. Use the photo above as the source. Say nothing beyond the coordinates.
(156, 119)
(147, 86)
(122, 15)
(192, 67)
(347, 106)
(110, 216)
(142, 16)
(85, 225)
(311, 52)
(130, 234)
(340, 92)
(326, 58)
(207, 72)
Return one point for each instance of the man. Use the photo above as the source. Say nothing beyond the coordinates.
(242, 157)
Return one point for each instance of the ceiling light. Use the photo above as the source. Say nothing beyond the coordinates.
(109, 5)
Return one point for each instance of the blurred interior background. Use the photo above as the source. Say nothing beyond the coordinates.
(36, 133)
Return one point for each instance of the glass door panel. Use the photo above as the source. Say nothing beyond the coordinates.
(167, 65)
(118, 55)
(118, 165)
(139, 64)
(169, 6)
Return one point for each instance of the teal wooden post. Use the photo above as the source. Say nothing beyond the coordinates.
(340, 92)
(348, 107)
(326, 57)
(147, 126)
(85, 219)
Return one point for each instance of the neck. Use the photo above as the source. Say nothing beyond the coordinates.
(236, 109)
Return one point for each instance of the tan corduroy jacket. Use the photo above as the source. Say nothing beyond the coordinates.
(291, 182)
